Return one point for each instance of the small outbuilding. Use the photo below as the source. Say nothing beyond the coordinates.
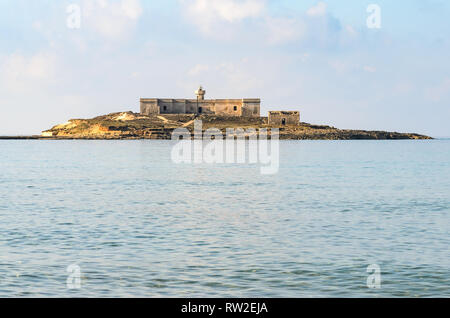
(284, 118)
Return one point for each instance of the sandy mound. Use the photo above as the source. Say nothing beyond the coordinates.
(126, 116)
(67, 125)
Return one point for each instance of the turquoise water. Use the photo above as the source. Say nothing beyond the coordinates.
(138, 225)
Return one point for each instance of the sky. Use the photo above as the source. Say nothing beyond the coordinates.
(322, 58)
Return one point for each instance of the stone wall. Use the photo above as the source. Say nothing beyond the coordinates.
(204, 106)
(228, 107)
(172, 106)
(220, 107)
(282, 118)
(251, 108)
(149, 107)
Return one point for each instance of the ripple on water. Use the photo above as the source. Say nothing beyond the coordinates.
(138, 225)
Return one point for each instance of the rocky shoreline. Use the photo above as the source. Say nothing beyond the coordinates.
(129, 125)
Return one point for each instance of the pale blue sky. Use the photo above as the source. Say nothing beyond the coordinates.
(318, 57)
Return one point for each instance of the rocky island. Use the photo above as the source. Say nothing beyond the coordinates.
(129, 125)
(159, 117)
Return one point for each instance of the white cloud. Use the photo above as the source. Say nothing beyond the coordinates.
(219, 19)
(351, 31)
(37, 25)
(318, 10)
(305, 57)
(198, 69)
(238, 77)
(282, 30)
(229, 10)
(111, 19)
(206, 13)
(339, 66)
(348, 65)
(20, 71)
(369, 69)
(131, 8)
(238, 73)
(403, 88)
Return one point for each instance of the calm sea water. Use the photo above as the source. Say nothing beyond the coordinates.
(138, 225)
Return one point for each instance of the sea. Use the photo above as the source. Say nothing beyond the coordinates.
(122, 219)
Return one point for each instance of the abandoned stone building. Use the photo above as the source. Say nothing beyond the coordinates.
(247, 107)
(282, 118)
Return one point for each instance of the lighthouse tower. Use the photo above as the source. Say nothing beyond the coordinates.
(200, 93)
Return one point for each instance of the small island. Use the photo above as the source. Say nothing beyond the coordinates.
(129, 125)
(159, 117)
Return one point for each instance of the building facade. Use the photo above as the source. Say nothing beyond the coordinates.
(247, 107)
(283, 118)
